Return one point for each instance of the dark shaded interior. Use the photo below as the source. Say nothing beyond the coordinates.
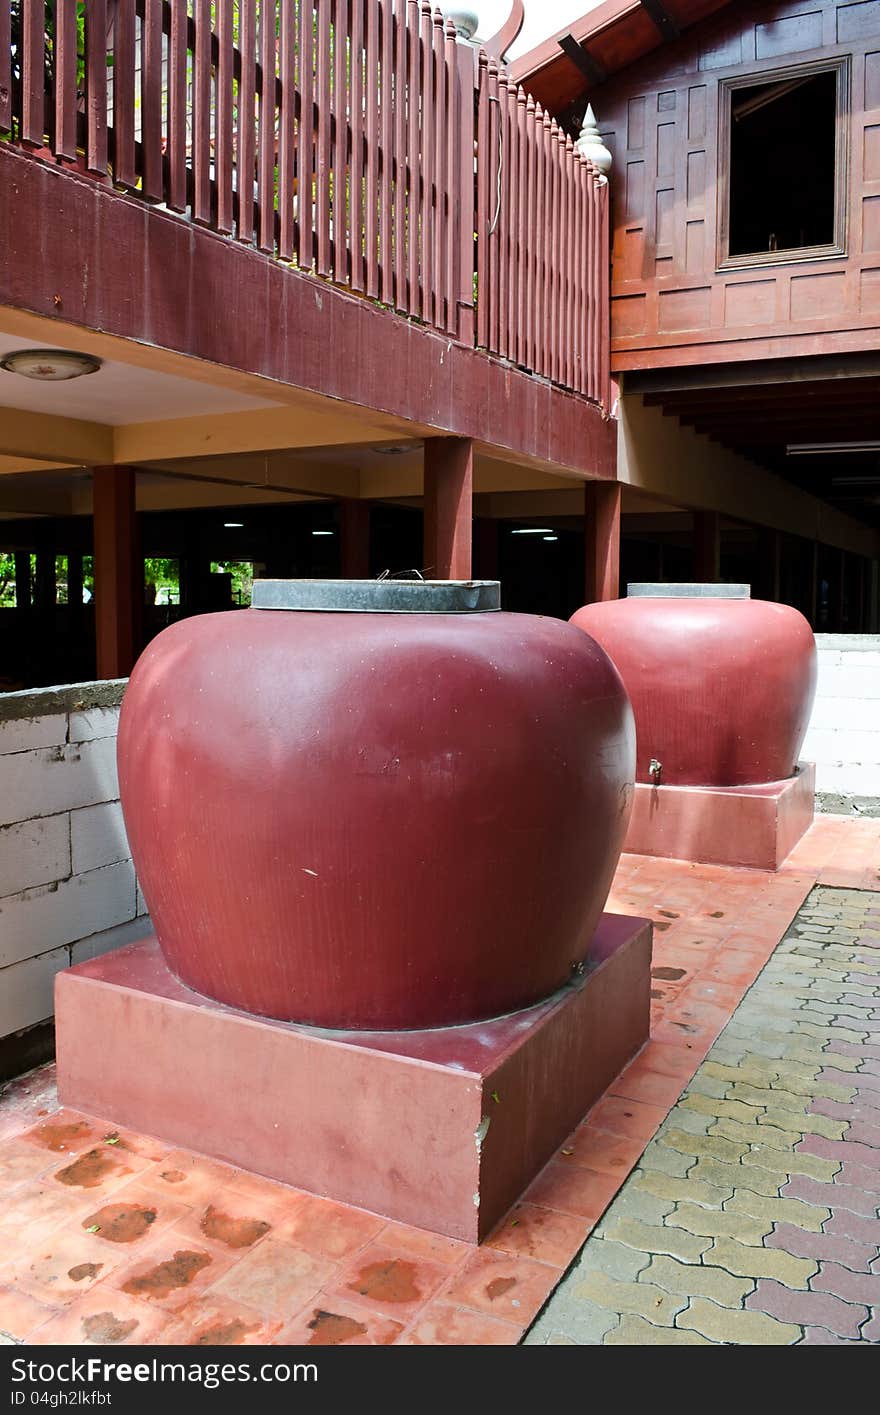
(782, 160)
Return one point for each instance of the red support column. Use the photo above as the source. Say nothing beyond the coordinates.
(448, 507)
(118, 571)
(354, 539)
(707, 547)
(602, 540)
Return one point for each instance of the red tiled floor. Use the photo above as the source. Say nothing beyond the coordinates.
(331, 1321)
(96, 1259)
(502, 1285)
(389, 1279)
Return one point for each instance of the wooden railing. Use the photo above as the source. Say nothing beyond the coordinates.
(356, 139)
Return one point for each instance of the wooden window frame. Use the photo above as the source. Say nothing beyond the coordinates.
(795, 254)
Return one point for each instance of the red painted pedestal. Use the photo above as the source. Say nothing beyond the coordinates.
(749, 826)
(441, 1128)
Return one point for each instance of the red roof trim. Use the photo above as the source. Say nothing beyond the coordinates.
(606, 16)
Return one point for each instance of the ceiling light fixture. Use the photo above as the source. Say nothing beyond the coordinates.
(323, 533)
(233, 525)
(827, 449)
(533, 531)
(550, 537)
(49, 365)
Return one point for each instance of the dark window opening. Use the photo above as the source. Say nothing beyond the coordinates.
(782, 165)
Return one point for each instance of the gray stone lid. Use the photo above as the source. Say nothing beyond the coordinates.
(379, 596)
(693, 591)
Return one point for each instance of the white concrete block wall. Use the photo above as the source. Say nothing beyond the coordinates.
(67, 884)
(844, 734)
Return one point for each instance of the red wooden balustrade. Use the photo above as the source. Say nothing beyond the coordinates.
(356, 139)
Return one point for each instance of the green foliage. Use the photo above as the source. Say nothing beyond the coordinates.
(242, 572)
(7, 580)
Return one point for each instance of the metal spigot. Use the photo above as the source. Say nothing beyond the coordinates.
(655, 769)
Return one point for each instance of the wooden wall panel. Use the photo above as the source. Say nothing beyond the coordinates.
(673, 302)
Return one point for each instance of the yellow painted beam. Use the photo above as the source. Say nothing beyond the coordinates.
(46, 436)
(262, 430)
(273, 471)
(14, 466)
(659, 456)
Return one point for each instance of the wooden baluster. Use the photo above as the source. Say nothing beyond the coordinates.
(386, 153)
(356, 196)
(223, 144)
(372, 124)
(439, 291)
(5, 69)
(323, 129)
(427, 160)
(246, 155)
(201, 113)
(65, 79)
(124, 169)
(177, 116)
(340, 141)
(266, 133)
(33, 61)
(152, 80)
(413, 160)
(399, 78)
(485, 166)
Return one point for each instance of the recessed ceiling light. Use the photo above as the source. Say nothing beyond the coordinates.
(233, 525)
(49, 365)
(822, 449)
(322, 533)
(532, 531)
(549, 537)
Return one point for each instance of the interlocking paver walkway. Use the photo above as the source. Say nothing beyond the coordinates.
(752, 1218)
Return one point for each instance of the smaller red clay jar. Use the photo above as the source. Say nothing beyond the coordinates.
(721, 684)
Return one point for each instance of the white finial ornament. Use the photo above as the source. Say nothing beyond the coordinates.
(465, 21)
(589, 144)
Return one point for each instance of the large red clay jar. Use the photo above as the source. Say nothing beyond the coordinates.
(375, 819)
(721, 684)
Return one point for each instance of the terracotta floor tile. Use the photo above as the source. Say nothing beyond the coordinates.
(670, 1059)
(132, 1215)
(65, 1132)
(103, 1318)
(213, 1320)
(21, 1315)
(544, 1234)
(33, 1215)
(230, 1224)
(63, 1267)
(572, 1189)
(389, 1279)
(513, 1288)
(636, 1119)
(641, 1083)
(325, 1228)
(275, 1278)
(445, 1325)
(331, 1321)
(419, 1243)
(601, 1151)
(98, 1171)
(21, 1163)
(170, 1272)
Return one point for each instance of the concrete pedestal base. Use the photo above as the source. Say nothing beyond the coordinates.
(443, 1129)
(754, 826)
